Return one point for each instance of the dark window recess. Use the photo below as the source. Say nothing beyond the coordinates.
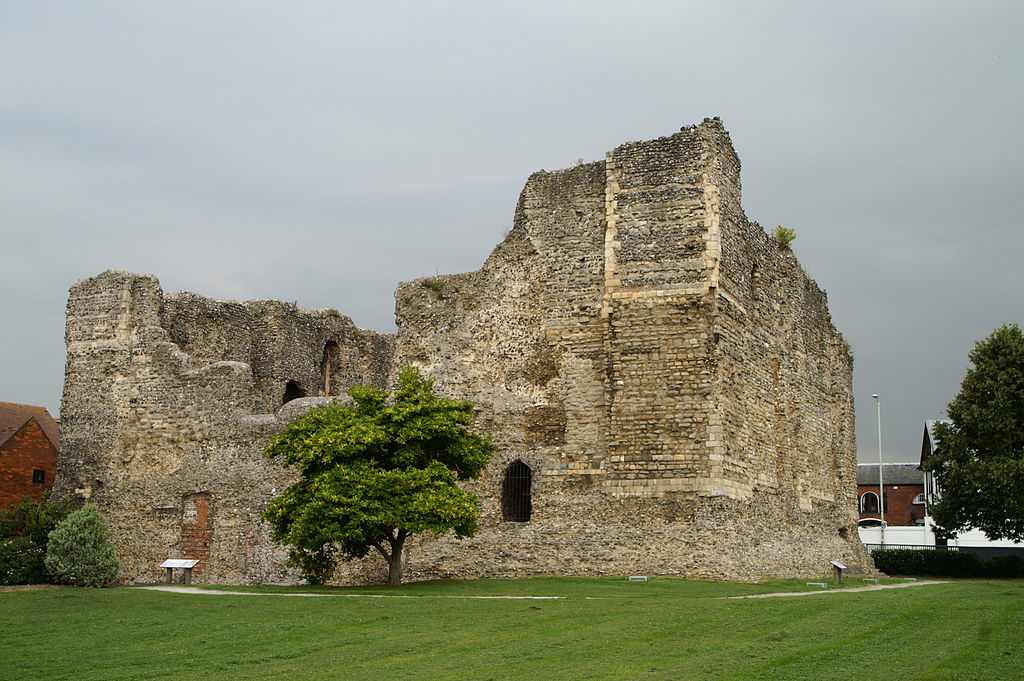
(292, 391)
(869, 503)
(327, 366)
(516, 505)
(38, 477)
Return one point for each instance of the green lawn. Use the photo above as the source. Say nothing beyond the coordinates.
(602, 629)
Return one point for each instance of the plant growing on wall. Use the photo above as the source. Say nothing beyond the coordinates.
(784, 236)
(375, 473)
(979, 461)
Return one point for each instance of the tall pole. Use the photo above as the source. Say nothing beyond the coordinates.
(881, 482)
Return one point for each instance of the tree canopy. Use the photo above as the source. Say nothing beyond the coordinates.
(374, 473)
(979, 461)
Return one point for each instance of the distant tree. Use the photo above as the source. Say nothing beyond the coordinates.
(979, 461)
(374, 473)
(80, 552)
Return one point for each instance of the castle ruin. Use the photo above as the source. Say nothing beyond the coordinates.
(662, 380)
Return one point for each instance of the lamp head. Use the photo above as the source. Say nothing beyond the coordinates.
(875, 395)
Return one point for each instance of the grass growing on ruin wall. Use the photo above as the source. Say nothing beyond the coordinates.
(605, 629)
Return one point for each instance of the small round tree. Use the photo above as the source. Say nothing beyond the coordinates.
(79, 551)
(375, 473)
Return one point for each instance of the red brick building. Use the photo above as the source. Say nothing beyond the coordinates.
(29, 438)
(904, 493)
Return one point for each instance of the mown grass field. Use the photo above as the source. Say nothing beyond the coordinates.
(602, 629)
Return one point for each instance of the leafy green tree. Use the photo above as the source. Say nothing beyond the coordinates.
(374, 473)
(79, 551)
(979, 461)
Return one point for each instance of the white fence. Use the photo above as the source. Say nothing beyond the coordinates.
(922, 535)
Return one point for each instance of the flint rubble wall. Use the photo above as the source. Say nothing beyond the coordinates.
(670, 374)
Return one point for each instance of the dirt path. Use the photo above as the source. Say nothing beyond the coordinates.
(857, 589)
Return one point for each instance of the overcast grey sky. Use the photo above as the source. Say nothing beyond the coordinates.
(323, 151)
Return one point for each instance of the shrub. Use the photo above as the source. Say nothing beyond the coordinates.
(784, 236)
(80, 552)
(21, 561)
(940, 563)
(34, 519)
(24, 531)
(1005, 567)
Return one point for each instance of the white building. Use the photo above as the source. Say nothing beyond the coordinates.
(924, 535)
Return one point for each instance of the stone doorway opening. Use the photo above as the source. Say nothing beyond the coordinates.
(516, 493)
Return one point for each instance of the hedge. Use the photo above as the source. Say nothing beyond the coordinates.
(940, 563)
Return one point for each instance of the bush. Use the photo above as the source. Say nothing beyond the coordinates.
(34, 519)
(21, 561)
(940, 563)
(24, 531)
(80, 552)
(1005, 567)
(784, 236)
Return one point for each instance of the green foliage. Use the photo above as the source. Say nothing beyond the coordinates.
(944, 563)
(374, 473)
(979, 461)
(433, 284)
(21, 561)
(24, 531)
(34, 519)
(784, 236)
(79, 551)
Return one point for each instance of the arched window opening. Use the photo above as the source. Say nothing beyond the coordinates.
(869, 503)
(328, 365)
(292, 391)
(516, 505)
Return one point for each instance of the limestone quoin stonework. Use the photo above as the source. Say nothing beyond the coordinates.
(668, 372)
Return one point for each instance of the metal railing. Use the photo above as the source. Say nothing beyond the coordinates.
(983, 552)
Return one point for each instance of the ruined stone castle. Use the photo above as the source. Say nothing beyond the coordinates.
(662, 380)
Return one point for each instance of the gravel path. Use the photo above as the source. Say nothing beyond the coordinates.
(857, 589)
(217, 592)
(779, 594)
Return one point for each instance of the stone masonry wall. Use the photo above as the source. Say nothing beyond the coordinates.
(684, 420)
(168, 443)
(670, 375)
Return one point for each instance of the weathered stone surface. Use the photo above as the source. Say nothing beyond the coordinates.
(668, 372)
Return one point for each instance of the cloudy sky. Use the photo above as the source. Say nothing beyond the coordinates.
(323, 151)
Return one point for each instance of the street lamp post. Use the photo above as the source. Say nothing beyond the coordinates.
(881, 483)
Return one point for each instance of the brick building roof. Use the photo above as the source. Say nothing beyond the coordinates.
(13, 416)
(895, 474)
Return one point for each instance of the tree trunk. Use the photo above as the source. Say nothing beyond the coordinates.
(395, 560)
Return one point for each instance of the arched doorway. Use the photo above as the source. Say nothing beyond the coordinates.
(516, 502)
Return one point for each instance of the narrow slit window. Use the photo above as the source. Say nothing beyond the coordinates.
(38, 477)
(516, 502)
(328, 366)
